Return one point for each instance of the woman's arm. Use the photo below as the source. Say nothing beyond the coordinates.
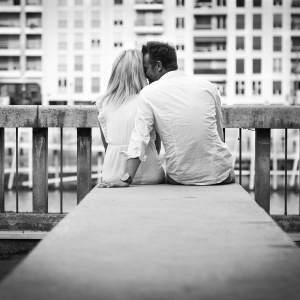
(158, 143)
(103, 138)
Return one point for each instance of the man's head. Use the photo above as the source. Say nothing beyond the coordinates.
(159, 59)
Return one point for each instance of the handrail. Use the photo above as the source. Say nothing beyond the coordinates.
(40, 118)
(85, 116)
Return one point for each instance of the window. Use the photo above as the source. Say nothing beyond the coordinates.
(221, 2)
(240, 21)
(276, 87)
(62, 2)
(62, 19)
(95, 67)
(277, 2)
(33, 63)
(256, 88)
(118, 44)
(240, 3)
(239, 87)
(62, 41)
(239, 66)
(78, 2)
(78, 87)
(95, 85)
(95, 19)
(62, 63)
(118, 22)
(62, 85)
(179, 22)
(95, 42)
(240, 43)
(78, 41)
(277, 65)
(277, 20)
(180, 2)
(256, 66)
(277, 43)
(96, 2)
(256, 3)
(180, 47)
(78, 19)
(256, 43)
(256, 21)
(118, 2)
(78, 63)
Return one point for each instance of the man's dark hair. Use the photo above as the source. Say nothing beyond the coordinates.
(163, 52)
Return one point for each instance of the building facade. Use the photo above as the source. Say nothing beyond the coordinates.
(63, 50)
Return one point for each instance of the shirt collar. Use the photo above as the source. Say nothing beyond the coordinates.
(171, 74)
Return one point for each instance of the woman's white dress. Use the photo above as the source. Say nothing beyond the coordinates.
(117, 127)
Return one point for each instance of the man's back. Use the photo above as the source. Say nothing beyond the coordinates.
(187, 116)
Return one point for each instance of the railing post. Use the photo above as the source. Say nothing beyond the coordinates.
(2, 166)
(84, 173)
(262, 168)
(40, 170)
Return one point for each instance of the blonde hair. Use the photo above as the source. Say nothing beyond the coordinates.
(127, 78)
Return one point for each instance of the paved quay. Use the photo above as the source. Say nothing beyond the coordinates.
(161, 242)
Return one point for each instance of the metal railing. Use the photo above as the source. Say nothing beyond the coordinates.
(259, 118)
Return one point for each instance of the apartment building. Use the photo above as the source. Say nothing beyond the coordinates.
(248, 48)
(21, 51)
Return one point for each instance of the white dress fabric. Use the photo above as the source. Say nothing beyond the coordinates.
(117, 126)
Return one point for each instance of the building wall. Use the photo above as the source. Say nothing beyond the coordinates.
(130, 34)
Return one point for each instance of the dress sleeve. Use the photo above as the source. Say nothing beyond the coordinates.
(102, 118)
(142, 132)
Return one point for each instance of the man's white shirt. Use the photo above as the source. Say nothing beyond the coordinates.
(186, 113)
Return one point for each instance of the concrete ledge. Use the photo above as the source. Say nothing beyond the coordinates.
(260, 116)
(29, 221)
(238, 116)
(12, 116)
(22, 235)
(161, 242)
(68, 116)
(289, 223)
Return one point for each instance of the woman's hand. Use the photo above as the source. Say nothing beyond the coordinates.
(116, 184)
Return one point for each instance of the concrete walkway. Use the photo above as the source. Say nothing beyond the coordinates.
(161, 242)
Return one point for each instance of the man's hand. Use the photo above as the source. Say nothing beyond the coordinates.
(115, 184)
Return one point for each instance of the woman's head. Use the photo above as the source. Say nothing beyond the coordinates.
(127, 78)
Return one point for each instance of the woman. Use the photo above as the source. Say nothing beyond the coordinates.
(117, 110)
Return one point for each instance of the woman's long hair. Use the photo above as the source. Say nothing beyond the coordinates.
(127, 78)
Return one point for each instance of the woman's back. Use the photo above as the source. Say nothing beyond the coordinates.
(117, 125)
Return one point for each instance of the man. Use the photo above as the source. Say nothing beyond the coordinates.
(186, 113)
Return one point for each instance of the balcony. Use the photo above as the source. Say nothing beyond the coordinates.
(210, 22)
(203, 4)
(33, 20)
(295, 22)
(209, 44)
(10, 6)
(295, 3)
(9, 20)
(34, 41)
(209, 66)
(295, 44)
(149, 5)
(9, 42)
(147, 27)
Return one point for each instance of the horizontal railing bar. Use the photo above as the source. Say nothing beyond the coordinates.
(85, 116)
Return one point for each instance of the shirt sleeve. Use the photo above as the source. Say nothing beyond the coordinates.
(219, 117)
(141, 133)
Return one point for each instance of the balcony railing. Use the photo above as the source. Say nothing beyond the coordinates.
(13, 44)
(40, 118)
(149, 2)
(157, 22)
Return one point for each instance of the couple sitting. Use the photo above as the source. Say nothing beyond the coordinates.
(182, 112)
